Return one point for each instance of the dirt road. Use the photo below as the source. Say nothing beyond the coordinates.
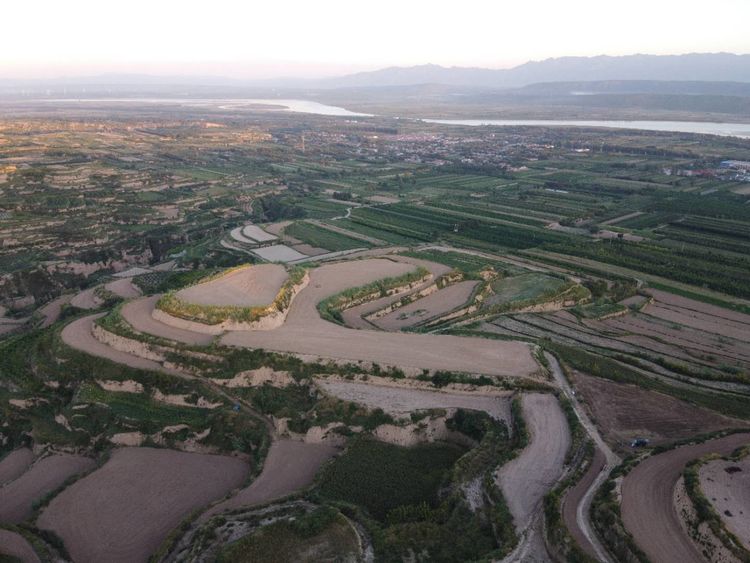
(647, 506)
(527, 478)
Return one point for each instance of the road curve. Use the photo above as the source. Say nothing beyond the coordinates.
(647, 506)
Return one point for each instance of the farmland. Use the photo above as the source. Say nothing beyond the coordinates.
(281, 337)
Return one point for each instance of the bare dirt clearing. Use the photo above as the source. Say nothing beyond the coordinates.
(44, 476)
(624, 412)
(123, 288)
(527, 478)
(14, 464)
(726, 484)
(86, 299)
(289, 466)
(304, 332)
(138, 315)
(247, 287)
(400, 402)
(125, 509)
(431, 306)
(278, 253)
(15, 545)
(647, 500)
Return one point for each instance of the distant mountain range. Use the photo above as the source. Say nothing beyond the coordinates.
(715, 67)
(650, 74)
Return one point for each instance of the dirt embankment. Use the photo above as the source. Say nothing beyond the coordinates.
(44, 476)
(726, 484)
(304, 332)
(289, 466)
(124, 510)
(14, 464)
(87, 299)
(138, 314)
(401, 402)
(647, 500)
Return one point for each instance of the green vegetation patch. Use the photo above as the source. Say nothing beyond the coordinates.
(382, 477)
(323, 238)
(320, 535)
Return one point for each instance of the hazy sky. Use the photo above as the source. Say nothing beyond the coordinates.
(326, 37)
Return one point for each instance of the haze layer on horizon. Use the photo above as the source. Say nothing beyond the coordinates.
(257, 40)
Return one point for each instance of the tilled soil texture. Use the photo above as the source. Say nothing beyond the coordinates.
(726, 484)
(124, 510)
(44, 476)
(14, 464)
(304, 332)
(289, 466)
(647, 500)
(625, 412)
(247, 287)
(15, 545)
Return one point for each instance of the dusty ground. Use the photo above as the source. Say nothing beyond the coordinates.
(125, 509)
(304, 332)
(647, 500)
(247, 287)
(574, 497)
(400, 402)
(726, 484)
(45, 475)
(78, 335)
(435, 304)
(290, 466)
(138, 315)
(86, 299)
(123, 288)
(527, 478)
(624, 412)
(14, 544)
(14, 464)
(278, 253)
(51, 311)
(256, 233)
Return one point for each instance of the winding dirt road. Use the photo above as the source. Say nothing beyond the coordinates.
(647, 506)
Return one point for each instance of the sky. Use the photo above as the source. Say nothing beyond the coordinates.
(311, 38)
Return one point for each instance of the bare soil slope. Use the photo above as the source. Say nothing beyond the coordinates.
(123, 511)
(17, 497)
(726, 484)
